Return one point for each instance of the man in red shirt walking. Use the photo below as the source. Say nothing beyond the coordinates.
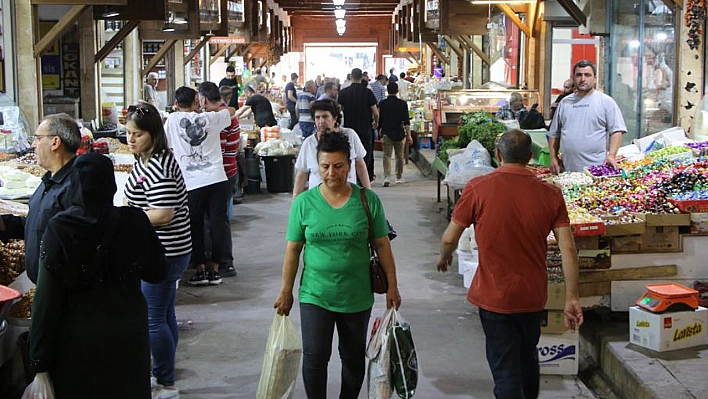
(512, 212)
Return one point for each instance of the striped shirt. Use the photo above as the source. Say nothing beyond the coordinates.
(230, 142)
(303, 106)
(160, 185)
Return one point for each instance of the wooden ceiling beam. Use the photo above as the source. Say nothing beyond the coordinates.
(58, 30)
(158, 57)
(463, 43)
(203, 41)
(460, 53)
(232, 53)
(434, 47)
(574, 11)
(515, 18)
(115, 40)
(481, 54)
(218, 54)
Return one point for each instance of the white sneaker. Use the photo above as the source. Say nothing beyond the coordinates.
(400, 180)
(163, 393)
(387, 182)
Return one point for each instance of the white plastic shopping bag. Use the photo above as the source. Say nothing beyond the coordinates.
(40, 388)
(379, 354)
(281, 361)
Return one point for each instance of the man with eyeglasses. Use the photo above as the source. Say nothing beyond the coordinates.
(55, 143)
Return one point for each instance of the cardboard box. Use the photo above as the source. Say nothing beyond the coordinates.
(553, 322)
(626, 244)
(594, 259)
(699, 223)
(668, 331)
(663, 238)
(556, 296)
(587, 242)
(558, 353)
(673, 219)
(626, 229)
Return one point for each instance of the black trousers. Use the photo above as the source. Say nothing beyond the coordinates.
(209, 201)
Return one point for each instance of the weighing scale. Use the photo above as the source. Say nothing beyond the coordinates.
(668, 297)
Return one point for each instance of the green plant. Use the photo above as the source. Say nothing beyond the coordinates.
(478, 125)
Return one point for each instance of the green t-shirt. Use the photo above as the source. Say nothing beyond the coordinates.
(336, 261)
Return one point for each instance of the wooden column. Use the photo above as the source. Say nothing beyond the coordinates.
(29, 89)
(133, 62)
(90, 79)
(690, 71)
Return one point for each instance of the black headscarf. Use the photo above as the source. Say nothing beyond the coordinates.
(73, 235)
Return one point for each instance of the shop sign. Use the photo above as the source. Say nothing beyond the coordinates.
(50, 60)
(227, 40)
(71, 66)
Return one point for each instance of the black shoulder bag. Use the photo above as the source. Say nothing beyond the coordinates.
(379, 282)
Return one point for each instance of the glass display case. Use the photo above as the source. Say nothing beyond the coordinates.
(452, 104)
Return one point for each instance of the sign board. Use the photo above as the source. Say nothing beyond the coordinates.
(227, 40)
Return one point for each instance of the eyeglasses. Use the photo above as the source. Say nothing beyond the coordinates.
(138, 110)
(38, 137)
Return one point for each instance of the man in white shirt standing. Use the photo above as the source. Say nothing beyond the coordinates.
(196, 142)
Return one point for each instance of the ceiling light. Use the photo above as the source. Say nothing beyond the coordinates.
(341, 23)
(341, 30)
(339, 13)
(168, 27)
(108, 13)
(338, 2)
(180, 21)
(210, 34)
(512, 2)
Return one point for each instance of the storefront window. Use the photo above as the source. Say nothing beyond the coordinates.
(641, 64)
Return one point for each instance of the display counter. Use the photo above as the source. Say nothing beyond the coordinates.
(452, 104)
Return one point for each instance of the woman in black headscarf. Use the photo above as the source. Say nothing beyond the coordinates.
(89, 319)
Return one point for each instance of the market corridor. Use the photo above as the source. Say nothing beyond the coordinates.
(222, 354)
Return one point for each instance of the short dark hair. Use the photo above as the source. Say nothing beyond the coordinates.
(402, 75)
(334, 142)
(230, 69)
(515, 146)
(381, 77)
(67, 129)
(583, 64)
(328, 106)
(210, 91)
(226, 91)
(293, 76)
(146, 118)
(392, 88)
(185, 96)
(356, 74)
(329, 86)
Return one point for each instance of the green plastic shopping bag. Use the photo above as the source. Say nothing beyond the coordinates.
(404, 361)
(281, 361)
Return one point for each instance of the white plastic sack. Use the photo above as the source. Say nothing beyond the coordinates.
(378, 378)
(40, 388)
(474, 161)
(281, 361)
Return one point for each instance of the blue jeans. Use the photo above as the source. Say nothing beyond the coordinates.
(307, 128)
(162, 323)
(511, 341)
(317, 331)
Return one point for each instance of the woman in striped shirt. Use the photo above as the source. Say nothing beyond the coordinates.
(156, 186)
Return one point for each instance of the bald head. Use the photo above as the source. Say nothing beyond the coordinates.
(514, 146)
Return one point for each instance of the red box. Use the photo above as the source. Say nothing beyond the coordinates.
(588, 229)
(690, 206)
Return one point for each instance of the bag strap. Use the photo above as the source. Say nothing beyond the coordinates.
(365, 203)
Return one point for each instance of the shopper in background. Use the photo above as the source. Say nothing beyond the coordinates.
(335, 288)
(378, 87)
(568, 89)
(150, 89)
(361, 114)
(510, 285)
(260, 81)
(395, 127)
(331, 91)
(403, 86)
(230, 147)
(327, 116)
(231, 82)
(156, 186)
(291, 99)
(55, 143)
(582, 124)
(196, 144)
(304, 116)
(347, 82)
(89, 318)
(392, 76)
(260, 106)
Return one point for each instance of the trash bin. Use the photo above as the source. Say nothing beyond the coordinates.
(279, 173)
(253, 174)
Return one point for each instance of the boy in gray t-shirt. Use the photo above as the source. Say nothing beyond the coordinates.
(586, 123)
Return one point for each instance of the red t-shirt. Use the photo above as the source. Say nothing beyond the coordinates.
(230, 142)
(512, 211)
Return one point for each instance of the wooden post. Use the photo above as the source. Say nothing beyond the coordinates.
(90, 80)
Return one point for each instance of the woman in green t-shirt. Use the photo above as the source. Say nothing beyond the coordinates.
(335, 289)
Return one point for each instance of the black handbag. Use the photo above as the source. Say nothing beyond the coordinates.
(379, 282)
